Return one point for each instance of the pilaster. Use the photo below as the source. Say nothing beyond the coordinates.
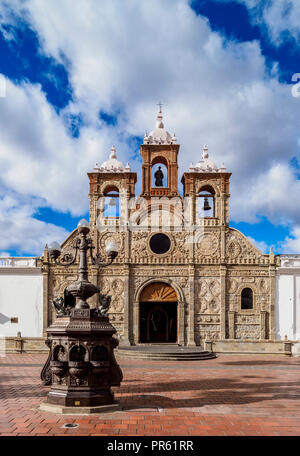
(223, 273)
(231, 323)
(127, 311)
(191, 308)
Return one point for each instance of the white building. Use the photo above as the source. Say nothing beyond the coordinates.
(287, 300)
(21, 298)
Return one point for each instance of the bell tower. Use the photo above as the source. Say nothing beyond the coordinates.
(208, 189)
(160, 162)
(111, 186)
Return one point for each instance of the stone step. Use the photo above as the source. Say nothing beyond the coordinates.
(165, 355)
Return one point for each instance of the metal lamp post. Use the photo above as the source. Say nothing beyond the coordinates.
(81, 367)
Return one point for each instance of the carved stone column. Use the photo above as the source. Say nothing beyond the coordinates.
(223, 273)
(191, 309)
(134, 336)
(181, 323)
(263, 324)
(126, 339)
(231, 323)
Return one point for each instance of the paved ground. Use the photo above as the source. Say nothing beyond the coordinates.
(230, 395)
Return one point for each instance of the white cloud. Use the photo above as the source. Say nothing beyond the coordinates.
(128, 56)
(291, 244)
(279, 18)
(21, 231)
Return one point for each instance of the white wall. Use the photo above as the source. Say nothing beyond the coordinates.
(21, 296)
(287, 303)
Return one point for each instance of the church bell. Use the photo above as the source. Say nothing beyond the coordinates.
(112, 202)
(206, 206)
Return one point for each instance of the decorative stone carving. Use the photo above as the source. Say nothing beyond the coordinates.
(238, 246)
(233, 249)
(232, 285)
(118, 238)
(182, 246)
(208, 244)
(138, 243)
(113, 287)
(247, 319)
(208, 296)
(247, 332)
(263, 286)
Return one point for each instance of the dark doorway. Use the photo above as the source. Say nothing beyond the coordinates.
(158, 322)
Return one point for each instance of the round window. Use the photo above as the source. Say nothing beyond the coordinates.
(160, 243)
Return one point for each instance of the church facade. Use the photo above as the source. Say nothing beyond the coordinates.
(183, 276)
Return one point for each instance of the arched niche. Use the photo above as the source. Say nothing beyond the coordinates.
(59, 353)
(206, 201)
(111, 195)
(99, 353)
(162, 163)
(78, 353)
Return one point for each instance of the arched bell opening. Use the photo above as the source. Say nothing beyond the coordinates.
(158, 314)
(159, 173)
(206, 202)
(111, 202)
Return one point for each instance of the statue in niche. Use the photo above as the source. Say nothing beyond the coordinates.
(159, 175)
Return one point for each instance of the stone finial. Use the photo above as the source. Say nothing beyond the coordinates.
(113, 152)
(205, 152)
(159, 118)
(271, 255)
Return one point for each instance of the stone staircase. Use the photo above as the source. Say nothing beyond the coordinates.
(164, 352)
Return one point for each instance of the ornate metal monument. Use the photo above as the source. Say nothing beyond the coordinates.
(81, 367)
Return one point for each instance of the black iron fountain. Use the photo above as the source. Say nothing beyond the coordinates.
(81, 367)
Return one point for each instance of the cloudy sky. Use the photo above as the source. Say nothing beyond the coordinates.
(79, 76)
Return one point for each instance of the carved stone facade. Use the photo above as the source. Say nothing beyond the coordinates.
(205, 270)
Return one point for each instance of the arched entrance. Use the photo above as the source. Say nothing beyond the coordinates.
(158, 314)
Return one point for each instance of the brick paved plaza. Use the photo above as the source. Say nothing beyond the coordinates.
(231, 395)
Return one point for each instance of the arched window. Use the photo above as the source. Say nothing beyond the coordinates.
(112, 202)
(206, 202)
(247, 299)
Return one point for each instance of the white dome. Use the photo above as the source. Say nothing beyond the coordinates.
(206, 165)
(112, 165)
(159, 135)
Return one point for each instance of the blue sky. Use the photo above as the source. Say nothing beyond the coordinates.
(79, 79)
